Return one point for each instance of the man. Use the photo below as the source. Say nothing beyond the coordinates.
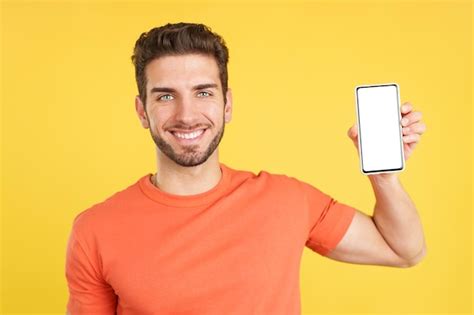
(199, 237)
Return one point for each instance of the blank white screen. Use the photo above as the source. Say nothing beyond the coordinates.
(379, 125)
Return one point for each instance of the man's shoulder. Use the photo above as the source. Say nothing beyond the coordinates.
(105, 209)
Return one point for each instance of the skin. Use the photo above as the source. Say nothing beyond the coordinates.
(185, 169)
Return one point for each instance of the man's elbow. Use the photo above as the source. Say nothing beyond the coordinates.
(415, 260)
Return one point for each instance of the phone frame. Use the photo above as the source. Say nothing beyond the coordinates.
(396, 170)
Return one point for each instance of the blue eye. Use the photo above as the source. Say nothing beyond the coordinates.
(205, 92)
(161, 97)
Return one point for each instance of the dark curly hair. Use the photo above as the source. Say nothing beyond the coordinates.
(178, 39)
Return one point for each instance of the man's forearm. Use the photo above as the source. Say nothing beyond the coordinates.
(397, 219)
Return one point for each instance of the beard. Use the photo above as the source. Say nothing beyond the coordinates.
(191, 155)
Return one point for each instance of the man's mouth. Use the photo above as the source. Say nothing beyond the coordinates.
(188, 137)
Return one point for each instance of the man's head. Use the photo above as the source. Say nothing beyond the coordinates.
(181, 72)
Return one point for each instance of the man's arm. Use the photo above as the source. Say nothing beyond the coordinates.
(397, 219)
(89, 293)
(393, 236)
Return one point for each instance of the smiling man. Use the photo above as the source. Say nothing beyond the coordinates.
(200, 237)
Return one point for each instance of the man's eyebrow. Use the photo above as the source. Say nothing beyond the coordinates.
(162, 89)
(205, 86)
(171, 90)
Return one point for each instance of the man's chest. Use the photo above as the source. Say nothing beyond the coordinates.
(207, 260)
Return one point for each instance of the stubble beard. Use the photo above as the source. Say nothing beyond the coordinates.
(190, 156)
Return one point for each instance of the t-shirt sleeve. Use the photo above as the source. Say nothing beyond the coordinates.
(328, 220)
(89, 293)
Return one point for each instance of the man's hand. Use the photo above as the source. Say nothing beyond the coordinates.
(412, 130)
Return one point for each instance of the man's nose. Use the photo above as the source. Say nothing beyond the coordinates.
(186, 110)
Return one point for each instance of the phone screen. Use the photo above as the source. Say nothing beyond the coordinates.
(380, 133)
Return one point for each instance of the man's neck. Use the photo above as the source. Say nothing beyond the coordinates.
(179, 180)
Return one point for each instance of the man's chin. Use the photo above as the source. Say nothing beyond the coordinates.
(188, 159)
(188, 162)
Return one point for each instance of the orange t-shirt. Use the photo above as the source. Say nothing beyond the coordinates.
(234, 249)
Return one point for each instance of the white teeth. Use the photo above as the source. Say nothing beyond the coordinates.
(191, 135)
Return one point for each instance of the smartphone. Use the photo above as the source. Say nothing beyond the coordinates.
(380, 130)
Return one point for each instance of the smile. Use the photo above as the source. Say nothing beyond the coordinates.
(191, 135)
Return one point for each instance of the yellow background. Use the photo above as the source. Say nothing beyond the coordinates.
(71, 137)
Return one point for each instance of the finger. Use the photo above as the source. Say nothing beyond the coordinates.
(412, 145)
(406, 151)
(406, 107)
(410, 118)
(411, 138)
(409, 147)
(418, 128)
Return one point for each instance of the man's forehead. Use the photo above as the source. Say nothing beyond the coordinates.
(182, 70)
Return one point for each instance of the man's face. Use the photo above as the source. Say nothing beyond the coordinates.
(185, 107)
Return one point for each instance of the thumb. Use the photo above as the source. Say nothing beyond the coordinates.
(352, 132)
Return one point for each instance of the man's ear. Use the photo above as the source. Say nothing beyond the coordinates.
(141, 112)
(228, 106)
